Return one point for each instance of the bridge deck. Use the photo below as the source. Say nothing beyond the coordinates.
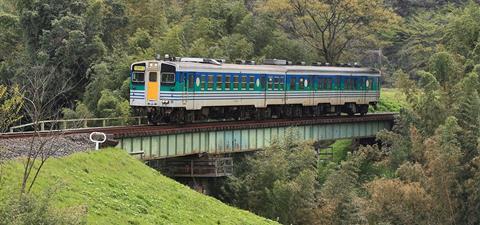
(240, 136)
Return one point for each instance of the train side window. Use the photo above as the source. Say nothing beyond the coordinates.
(281, 83)
(270, 83)
(168, 78)
(262, 82)
(293, 82)
(276, 83)
(301, 84)
(218, 81)
(251, 83)
(235, 82)
(228, 81)
(244, 82)
(329, 84)
(202, 82)
(191, 81)
(152, 77)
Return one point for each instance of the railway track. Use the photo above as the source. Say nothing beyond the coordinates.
(143, 130)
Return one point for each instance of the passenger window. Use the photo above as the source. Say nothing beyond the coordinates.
(281, 83)
(244, 82)
(262, 82)
(251, 83)
(210, 82)
(190, 80)
(293, 81)
(152, 77)
(276, 83)
(202, 82)
(168, 78)
(270, 83)
(301, 84)
(218, 80)
(235, 82)
(228, 82)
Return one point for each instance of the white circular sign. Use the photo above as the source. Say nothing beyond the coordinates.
(197, 81)
(258, 82)
(367, 83)
(98, 138)
(305, 83)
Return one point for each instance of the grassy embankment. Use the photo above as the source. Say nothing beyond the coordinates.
(118, 189)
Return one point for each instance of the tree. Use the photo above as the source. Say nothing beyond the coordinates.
(278, 182)
(331, 27)
(10, 105)
(43, 89)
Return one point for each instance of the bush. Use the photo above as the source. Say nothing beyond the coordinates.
(28, 209)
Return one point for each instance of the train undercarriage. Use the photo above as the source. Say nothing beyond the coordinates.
(157, 115)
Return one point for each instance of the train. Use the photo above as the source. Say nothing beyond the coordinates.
(185, 90)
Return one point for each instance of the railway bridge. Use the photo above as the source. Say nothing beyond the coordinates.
(205, 150)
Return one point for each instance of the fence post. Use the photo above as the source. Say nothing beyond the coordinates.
(104, 123)
(85, 123)
(42, 126)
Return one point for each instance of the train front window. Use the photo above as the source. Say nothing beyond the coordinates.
(138, 77)
(168, 78)
(152, 77)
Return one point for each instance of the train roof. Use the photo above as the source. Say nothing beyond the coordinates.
(270, 69)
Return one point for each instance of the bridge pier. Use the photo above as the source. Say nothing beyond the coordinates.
(196, 171)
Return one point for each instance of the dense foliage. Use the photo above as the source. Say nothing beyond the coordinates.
(425, 171)
(89, 45)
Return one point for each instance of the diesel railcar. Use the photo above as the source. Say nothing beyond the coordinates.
(193, 89)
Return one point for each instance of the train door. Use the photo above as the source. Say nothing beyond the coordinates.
(263, 85)
(270, 89)
(363, 87)
(337, 88)
(184, 80)
(153, 86)
(308, 85)
(190, 87)
(312, 84)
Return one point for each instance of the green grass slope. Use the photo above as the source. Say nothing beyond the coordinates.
(118, 189)
(391, 100)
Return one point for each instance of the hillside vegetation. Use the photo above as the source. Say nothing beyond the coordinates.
(115, 188)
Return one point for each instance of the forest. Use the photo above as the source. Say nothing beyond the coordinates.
(425, 171)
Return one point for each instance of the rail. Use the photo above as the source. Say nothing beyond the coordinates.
(71, 124)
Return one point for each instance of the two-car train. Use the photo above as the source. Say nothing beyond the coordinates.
(198, 89)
